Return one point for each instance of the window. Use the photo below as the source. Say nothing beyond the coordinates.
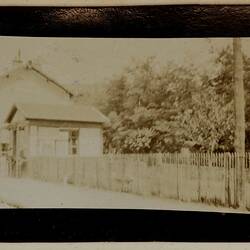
(71, 137)
(73, 142)
(5, 148)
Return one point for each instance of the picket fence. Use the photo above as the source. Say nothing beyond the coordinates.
(207, 178)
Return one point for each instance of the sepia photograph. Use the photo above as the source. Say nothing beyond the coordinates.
(125, 123)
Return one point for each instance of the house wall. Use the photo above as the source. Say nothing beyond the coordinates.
(18, 117)
(47, 141)
(91, 142)
(5, 134)
(53, 141)
(22, 135)
(24, 85)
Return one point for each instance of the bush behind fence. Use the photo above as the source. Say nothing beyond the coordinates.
(209, 178)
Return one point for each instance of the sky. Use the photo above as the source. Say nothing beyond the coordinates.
(97, 60)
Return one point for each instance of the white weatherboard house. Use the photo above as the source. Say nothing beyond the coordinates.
(39, 118)
(55, 130)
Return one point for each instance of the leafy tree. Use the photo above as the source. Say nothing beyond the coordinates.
(143, 105)
(161, 110)
(209, 123)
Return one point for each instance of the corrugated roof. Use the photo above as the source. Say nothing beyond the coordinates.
(71, 112)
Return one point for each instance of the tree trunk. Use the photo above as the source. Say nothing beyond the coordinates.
(239, 106)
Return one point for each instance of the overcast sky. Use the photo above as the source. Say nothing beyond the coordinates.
(87, 60)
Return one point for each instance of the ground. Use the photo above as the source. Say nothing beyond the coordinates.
(4, 205)
(26, 193)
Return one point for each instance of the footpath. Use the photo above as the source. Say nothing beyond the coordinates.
(27, 193)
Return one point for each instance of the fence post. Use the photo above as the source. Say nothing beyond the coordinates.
(230, 203)
(96, 172)
(137, 174)
(110, 171)
(160, 172)
(199, 176)
(81, 171)
(177, 171)
(238, 192)
(235, 178)
(57, 169)
(226, 180)
(241, 182)
(124, 181)
(76, 170)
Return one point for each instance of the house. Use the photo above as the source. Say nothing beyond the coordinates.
(38, 116)
(26, 82)
(59, 130)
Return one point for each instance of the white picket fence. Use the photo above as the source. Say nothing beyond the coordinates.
(209, 178)
(4, 166)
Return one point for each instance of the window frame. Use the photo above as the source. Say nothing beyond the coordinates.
(72, 146)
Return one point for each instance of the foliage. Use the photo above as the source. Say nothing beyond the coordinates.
(144, 105)
(166, 109)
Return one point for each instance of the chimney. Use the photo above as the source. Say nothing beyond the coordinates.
(29, 64)
(17, 59)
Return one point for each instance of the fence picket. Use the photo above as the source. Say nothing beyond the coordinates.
(204, 177)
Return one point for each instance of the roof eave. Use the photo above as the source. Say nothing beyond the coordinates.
(59, 120)
(10, 114)
(71, 94)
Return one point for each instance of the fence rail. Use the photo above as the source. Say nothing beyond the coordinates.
(209, 178)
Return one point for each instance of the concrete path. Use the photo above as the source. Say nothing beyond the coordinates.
(26, 193)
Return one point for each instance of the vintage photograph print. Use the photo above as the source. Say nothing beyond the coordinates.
(125, 123)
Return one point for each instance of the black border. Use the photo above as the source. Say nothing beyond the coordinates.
(93, 225)
(133, 21)
(120, 225)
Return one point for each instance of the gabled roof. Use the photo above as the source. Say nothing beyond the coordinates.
(61, 112)
(36, 70)
(52, 81)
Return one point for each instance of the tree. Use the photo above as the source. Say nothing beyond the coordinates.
(239, 99)
(223, 84)
(143, 105)
(208, 124)
(161, 110)
(239, 104)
